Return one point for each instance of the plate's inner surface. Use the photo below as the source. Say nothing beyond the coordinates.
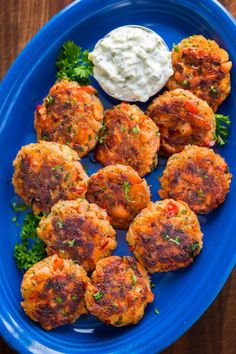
(175, 292)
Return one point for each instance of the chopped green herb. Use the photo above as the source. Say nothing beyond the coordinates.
(102, 133)
(205, 176)
(156, 311)
(175, 240)
(49, 99)
(57, 168)
(222, 132)
(74, 64)
(74, 297)
(134, 279)
(175, 47)
(200, 194)
(98, 295)
(14, 219)
(185, 83)
(60, 224)
(136, 129)
(194, 247)
(19, 207)
(71, 243)
(126, 186)
(213, 91)
(122, 129)
(58, 299)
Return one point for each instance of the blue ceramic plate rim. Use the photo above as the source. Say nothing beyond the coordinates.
(9, 85)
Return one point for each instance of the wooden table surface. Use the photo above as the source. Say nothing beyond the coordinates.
(215, 332)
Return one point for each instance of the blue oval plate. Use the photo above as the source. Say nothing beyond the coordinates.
(181, 296)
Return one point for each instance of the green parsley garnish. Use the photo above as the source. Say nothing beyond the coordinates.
(98, 295)
(136, 129)
(19, 207)
(57, 168)
(126, 186)
(102, 133)
(194, 247)
(58, 299)
(175, 240)
(31, 249)
(175, 48)
(74, 297)
(185, 83)
(213, 91)
(156, 311)
(60, 224)
(123, 128)
(222, 132)
(134, 279)
(49, 99)
(14, 219)
(200, 194)
(71, 243)
(74, 64)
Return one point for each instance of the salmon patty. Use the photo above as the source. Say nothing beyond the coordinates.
(197, 176)
(70, 114)
(128, 137)
(165, 236)
(119, 291)
(78, 230)
(47, 172)
(53, 292)
(202, 67)
(183, 119)
(120, 191)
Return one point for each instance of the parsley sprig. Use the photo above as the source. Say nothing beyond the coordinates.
(74, 64)
(222, 131)
(31, 249)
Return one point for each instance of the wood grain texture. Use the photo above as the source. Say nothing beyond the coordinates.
(215, 332)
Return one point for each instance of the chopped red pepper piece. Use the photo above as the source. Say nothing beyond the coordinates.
(172, 209)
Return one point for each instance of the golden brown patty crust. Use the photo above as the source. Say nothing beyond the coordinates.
(53, 292)
(47, 172)
(197, 176)
(71, 114)
(119, 190)
(183, 119)
(202, 67)
(78, 230)
(119, 291)
(128, 137)
(165, 236)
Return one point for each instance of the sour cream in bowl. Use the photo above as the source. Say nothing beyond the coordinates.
(131, 63)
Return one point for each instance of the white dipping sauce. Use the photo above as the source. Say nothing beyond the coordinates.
(131, 63)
